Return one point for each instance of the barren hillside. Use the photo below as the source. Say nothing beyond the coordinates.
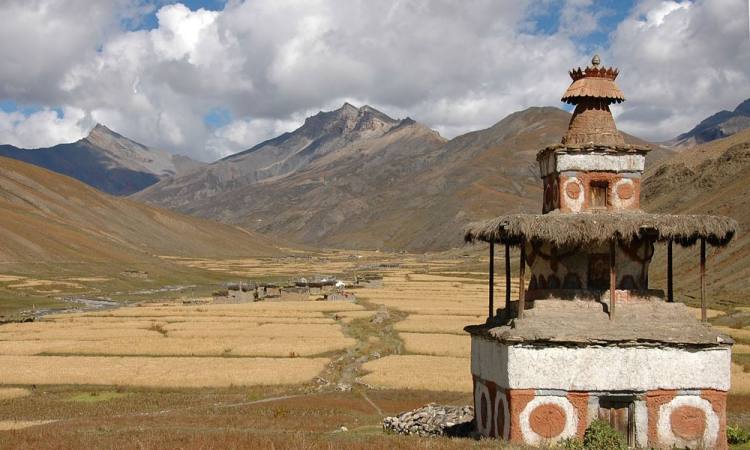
(45, 216)
(707, 179)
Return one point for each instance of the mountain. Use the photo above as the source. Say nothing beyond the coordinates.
(707, 179)
(405, 188)
(323, 135)
(47, 217)
(722, 124)
(107, 161)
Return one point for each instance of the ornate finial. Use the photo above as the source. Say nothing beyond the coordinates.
(595, 61)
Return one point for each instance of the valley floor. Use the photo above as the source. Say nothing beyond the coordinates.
(193, 373)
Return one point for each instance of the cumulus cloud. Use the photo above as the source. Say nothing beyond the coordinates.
(680, 62)
(43, 128)
(269, 63)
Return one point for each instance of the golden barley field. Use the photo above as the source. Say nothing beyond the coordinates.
(403, 337)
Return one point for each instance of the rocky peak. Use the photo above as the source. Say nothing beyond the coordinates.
(103, 137)
(743, 108)
(348, 120)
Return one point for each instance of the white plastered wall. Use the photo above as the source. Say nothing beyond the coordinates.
(593, 368)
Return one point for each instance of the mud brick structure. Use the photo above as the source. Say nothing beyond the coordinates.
(588, 338)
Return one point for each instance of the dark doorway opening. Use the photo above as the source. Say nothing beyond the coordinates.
(598, 276)
(619, 413)
(599, 194)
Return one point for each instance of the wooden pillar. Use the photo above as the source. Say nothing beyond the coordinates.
(522, 282)
(492, 281)
(670, 284)
(612, 279)
(704, 315)
(507, 277)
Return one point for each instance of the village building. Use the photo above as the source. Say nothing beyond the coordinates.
(588, 337)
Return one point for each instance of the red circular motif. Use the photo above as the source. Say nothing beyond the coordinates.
(573, 190)
(688, 422)
(625, 191)
(547, 420)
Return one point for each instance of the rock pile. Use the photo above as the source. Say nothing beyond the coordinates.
(433, 420)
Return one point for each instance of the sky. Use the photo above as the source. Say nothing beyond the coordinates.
(207, 78)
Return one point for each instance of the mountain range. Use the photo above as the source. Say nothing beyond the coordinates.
(107, 161)
(356, 178)
(720, 125)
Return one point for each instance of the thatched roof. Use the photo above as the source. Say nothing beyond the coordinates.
(567, 229)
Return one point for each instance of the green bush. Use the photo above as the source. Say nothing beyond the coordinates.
(601, 436)
(571, 444)
(736, 435)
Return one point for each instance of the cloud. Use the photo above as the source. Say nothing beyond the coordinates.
(269, 63)
(43, 128)
(679, 63)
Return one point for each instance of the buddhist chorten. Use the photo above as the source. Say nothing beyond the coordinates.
(587, 336)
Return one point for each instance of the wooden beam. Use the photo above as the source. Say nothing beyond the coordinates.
(670, 279)
(492, 281)
(507, 278)
(704, 315)
(612, 279)
(522, 282)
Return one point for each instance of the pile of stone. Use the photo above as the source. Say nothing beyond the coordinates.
(433, 420)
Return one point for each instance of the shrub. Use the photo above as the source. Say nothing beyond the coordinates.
(571, 444)
(736, 435)
(601, 436)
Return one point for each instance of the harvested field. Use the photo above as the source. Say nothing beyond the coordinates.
(431, 323)
(9, 425)
(158, 372)
(270, 346)
(273, 309)
(348, 316)
(437, 344)
(73, 333)
(438, 373)
(9, 393)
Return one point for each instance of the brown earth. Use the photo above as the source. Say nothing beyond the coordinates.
(707, 179)
(45, 216)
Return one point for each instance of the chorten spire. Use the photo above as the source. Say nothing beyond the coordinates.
(592, 91)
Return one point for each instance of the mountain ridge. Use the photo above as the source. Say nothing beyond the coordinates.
(717, 126)
(407, 188)
(45, 216)
(106, 160)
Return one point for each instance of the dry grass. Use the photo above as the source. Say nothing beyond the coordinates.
(437, 344)
(437, 373)
(158, 372)
(349, 316)
(266, 330)
(740, 380)
(273, 309)
(735, 333)
(431, 323)
(9, 425)
(72, 333)
(10, 278)
(272, 346)
(710, 313)
(10, 393)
